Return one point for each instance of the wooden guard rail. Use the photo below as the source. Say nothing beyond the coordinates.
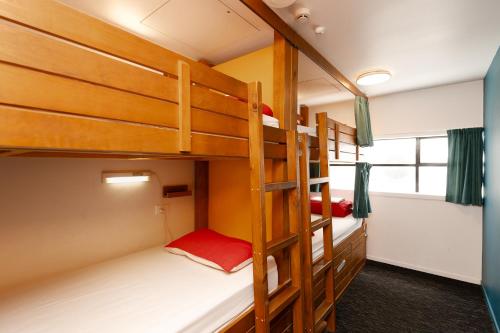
(75, 86)
(323, 316)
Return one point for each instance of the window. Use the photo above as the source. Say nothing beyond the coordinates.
(409, 165)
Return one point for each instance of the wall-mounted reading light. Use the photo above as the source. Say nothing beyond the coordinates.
(125, 177)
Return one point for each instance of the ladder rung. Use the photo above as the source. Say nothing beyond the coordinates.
(282, 300)
(322, 311)
(281, 243)
(320, 223)
(320, 327)
(280, 288)
(314, 161)
(320, 180)
(320, 267)
(280, 186)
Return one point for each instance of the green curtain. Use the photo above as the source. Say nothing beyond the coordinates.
(361, 205)
(465, 166)
(363, 123)
(314, 173)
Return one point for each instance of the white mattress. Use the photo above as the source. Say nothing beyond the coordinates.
(305, 129)
(343, 227)
(151, 291)
(270, 121)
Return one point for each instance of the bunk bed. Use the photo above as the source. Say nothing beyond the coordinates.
(336, 251)
(74, 86)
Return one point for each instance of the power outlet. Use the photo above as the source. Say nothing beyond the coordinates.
(159, 210)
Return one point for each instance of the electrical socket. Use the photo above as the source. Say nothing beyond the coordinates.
(159, 210)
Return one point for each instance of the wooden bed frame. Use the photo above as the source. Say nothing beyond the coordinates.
(327, 278)
(74, 86)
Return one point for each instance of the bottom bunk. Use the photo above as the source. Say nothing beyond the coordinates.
(349, 242)
(148, 291)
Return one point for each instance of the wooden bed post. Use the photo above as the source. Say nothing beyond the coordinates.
(201, 194)
(184, 92)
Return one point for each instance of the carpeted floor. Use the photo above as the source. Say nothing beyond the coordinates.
(386, 298)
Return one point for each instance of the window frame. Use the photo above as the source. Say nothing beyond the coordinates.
(417, 165)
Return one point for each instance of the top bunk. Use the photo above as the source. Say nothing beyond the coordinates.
(342, 142)
(74, 86)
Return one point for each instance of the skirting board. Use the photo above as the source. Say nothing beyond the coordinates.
(490, 309)
(426, 270)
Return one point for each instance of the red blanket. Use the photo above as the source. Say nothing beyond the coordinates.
(341, 209)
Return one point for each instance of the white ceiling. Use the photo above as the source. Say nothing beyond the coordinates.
(212, 30)
(423, 43)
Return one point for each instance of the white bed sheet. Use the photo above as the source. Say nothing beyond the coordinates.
(306, 129)
(151, 291)
(343, 227)
(270, 121)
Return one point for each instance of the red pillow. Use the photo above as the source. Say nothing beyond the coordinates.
(267, 110)
(213, 249)
(341, 209)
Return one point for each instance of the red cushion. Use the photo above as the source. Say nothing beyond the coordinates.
(213, 249)
(341, 209)
(267, 110)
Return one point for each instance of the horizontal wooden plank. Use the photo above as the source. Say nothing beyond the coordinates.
(32, 129)
(206, 99)
(30, 49)
(282, 300)
(281, 243)
(322, 311)
(274, 151)
(59, 20)
(347, 138)
(319, 180)
(320, 268)
(280, 186)
(29, 88)
(346, 129)
(274, 134)
(320, 223)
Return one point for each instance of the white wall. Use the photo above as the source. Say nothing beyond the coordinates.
(423, 233)
(56, 215)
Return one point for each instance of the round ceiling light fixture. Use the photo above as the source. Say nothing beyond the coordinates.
(373, 77)
(279, 3)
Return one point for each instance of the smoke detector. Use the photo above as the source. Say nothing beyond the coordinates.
(302, 15)
(279, 3)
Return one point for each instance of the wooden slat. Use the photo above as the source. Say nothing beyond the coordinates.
(282, 300)
(184, 93)
(347, 138)
(281, 243)
(207, 99)
(29, 88)
(273, 134)
(322, 311)
(31, 129)
(314, 143)
(59, 20)
(282, 286)
(320, 268)
(268, 15)
(319, 180)
(26, 48)
(274, 151)
(320, 223)
(346, 129)
(280, 186)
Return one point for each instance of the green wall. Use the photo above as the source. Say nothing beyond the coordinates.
(491, 209)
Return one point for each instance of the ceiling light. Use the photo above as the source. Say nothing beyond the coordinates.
(279, 3)
(374, 77)
(125, 177)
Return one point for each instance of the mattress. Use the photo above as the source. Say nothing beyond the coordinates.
(270, 121)
(306, 129)
(343, 227)
(151, 291)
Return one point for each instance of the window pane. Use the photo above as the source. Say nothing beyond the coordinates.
(392, 179)
(342, 177)
(432, 180)
(434, 150)
(394, 151)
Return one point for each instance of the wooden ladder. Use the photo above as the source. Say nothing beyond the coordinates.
(321, 317)
(288, 243)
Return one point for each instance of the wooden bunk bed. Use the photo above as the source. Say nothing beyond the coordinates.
(333, 262)
(74, 86)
